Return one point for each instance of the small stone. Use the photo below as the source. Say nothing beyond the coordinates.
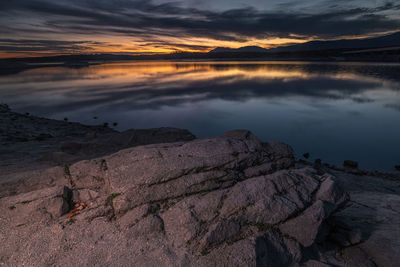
(65, 119)
(350, 164)
(318, 166)
(397, 167)
(306, 155)
(355, 236)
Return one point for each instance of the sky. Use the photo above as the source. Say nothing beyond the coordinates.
(55, 27)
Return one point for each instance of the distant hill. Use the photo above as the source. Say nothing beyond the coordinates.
(379, 49)
(245, 49)
(382, 41)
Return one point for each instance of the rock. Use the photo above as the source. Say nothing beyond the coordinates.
(356, 257)
(344, 234)
(329, 191)
(340, 239)
(309, 227)
(71, 147)
(84, 195)
(148, 226)
(91, 135)
(34, 206)
(230, 200)
(219, 233)
(354, 236)
(350, 164)
(314, 263)
(318, 166)
(371, 210)
(133, 216)
(346, 237)
(130, 138)
(274, 250)
(193, 198)
(43, 136)
(397, 167)
(306, 155)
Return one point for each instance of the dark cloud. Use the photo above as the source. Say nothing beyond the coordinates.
(176, 46)
(47, 46)
(145, 19)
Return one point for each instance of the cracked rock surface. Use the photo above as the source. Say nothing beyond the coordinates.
(230, 200)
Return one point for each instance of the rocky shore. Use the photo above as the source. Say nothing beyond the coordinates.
(79, 195)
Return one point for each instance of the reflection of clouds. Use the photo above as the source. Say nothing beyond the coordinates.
(195, 91)
(361, 100)
(354, 113)
(395, 106)
(151, 85)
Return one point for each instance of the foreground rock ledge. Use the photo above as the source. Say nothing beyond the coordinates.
(225, 201)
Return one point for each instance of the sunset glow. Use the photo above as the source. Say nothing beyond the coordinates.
(45, 27)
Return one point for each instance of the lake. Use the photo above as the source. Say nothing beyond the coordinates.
(335, 111)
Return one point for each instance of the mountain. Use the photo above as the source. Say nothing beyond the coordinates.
(245, 49)
(391, 40)
(376, 42)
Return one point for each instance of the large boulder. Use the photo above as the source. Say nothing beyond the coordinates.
(230, 200)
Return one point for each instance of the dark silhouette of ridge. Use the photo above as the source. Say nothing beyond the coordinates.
(245, 49)
(391, 40)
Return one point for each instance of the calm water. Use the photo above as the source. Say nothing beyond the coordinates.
(334, 111)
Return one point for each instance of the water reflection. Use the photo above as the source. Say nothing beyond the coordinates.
(335, 111)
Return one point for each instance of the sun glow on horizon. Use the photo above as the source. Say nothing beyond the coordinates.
(159, 45)
(164, 45)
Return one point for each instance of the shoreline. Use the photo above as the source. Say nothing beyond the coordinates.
(49, 142)
(96, 134)
(10, 68)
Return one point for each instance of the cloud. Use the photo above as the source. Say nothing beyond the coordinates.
(45, 46)
(144, 20)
